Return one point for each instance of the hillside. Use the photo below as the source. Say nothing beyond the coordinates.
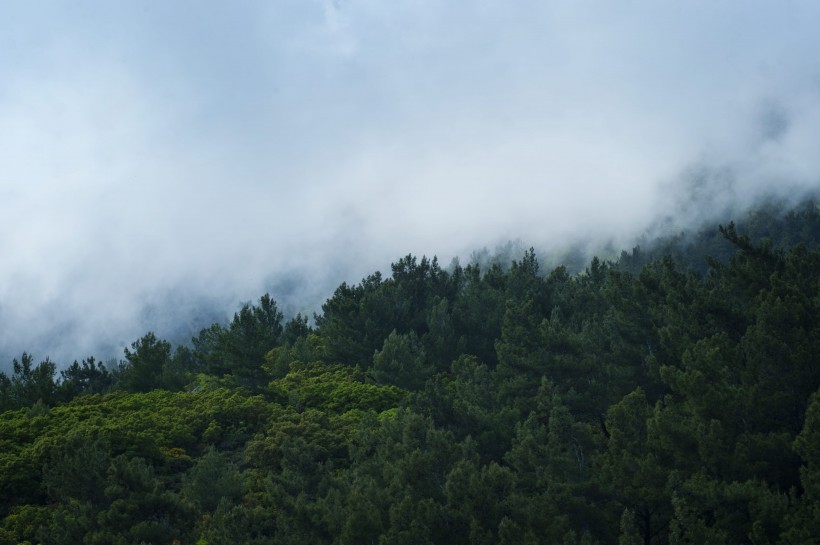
(666, 397)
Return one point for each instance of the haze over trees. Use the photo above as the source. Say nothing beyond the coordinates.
(664, 397)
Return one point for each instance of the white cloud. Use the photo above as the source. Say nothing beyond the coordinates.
(204, 152)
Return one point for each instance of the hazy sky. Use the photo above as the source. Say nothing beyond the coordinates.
(160, 158)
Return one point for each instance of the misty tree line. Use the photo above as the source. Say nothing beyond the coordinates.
(650, 400)
(151, 363)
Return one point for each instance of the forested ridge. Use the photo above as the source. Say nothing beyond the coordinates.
(666, 397)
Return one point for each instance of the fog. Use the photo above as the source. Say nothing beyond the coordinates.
(164, 162)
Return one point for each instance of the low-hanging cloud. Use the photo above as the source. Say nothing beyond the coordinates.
(162, 162)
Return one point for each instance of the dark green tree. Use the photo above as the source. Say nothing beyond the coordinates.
(401, 362)
(89, 377)
(213, 478)
(144, 364)
(28, 383)
(241, 348)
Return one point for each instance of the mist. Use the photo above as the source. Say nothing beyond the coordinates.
(162, 163)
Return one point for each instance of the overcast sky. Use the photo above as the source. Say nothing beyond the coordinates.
(160, 159)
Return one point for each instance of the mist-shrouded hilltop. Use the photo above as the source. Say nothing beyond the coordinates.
(669, 395)
(179, 313)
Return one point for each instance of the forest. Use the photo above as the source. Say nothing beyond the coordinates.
(666, 396)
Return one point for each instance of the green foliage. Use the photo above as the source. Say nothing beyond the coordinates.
(254, 331)
(334, 388)
(477, 313)
(295, 329)
(88, 377)
(213, 478)
(239, 350)
(356, 320)
(142, 371)
(401, 362)
(76, 470)
(28, 383)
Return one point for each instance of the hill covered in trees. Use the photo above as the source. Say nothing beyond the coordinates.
(665, 397)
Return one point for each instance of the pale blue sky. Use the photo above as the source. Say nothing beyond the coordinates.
(212, 148)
